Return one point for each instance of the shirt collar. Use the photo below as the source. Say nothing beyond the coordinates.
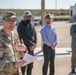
(48, 26)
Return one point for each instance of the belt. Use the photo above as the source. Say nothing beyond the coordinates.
(46, 45)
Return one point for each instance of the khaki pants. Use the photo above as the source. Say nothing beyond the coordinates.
(73, 59)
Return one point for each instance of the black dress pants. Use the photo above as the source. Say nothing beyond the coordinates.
(29, 66)
(49, 56)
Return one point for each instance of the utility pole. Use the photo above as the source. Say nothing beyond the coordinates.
(56, 4)
(42, 14)
(42, 11)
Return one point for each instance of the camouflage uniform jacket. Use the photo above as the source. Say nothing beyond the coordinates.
(8, 55)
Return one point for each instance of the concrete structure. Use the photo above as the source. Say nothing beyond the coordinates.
(73, 13)
(36, 20)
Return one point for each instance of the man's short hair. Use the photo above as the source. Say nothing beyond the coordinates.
(48, 15)
(8, 15)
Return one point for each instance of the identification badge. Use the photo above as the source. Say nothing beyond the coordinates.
(33, 38)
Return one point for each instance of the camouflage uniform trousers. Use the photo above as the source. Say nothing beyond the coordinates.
(73, 59)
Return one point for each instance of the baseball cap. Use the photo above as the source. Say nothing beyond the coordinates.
(27, 13)
(8, 15)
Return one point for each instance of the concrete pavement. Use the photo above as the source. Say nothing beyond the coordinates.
(62, 66)
(59, 53)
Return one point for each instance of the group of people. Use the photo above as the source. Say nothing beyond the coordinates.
(13, 46)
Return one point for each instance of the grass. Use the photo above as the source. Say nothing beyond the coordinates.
(37, 13)
(64, 16)
(60, 16)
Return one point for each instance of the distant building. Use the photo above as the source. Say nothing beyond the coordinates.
(73, 13)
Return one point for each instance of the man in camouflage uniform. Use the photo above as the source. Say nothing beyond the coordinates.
(73, 47)
(9, 46)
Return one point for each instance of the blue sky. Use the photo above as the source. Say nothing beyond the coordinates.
(36, 4)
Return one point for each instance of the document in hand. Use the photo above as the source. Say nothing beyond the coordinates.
(29, 58)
